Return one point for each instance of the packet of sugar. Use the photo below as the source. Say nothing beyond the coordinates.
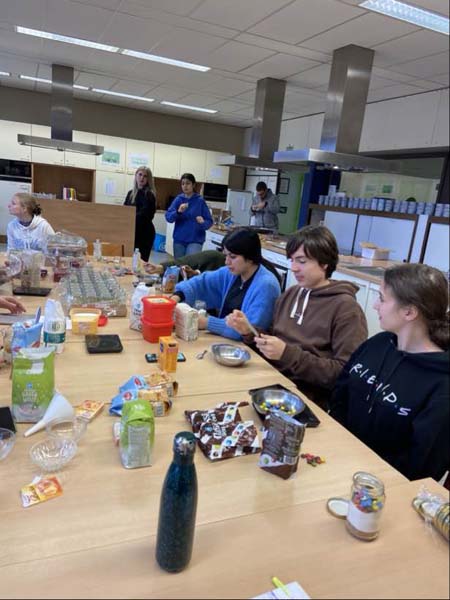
(42, 490)
(88, 409)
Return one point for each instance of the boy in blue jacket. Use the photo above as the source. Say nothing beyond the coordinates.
(245, 283)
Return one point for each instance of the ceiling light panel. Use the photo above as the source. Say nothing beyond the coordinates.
(189, 107)
(410, 14)
(5, 74)
(38, 79)
(122, 95)
(165, 60)
(65, 38)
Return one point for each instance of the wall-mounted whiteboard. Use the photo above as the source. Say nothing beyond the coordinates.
(437, 250)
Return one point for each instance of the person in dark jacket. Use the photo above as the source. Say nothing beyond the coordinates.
(191, 216)
(393, 393)
(143, 197)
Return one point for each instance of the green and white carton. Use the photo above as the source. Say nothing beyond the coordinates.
(33, 383)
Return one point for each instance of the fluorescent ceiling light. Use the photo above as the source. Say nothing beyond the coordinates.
(5, 74)
(80, 87)
(411, 14)
(38, 79)
(188, 106)
(110, 93)
(135, 54)
(65, 38)
(166, 61)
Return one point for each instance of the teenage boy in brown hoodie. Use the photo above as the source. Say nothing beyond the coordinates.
(317, 324)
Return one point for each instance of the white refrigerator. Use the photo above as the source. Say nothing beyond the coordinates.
(238, 203)
(7, 191)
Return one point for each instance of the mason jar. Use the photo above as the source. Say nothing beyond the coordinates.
(365, 506)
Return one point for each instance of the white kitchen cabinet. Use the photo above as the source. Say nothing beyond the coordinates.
(193, 161)
(48, 156)
(373, 322)
(361, 294)
(113, 157)
(139, 154)
(76, 159)
(9, 146)
(214, 172)
(167, 161)
(110, 187)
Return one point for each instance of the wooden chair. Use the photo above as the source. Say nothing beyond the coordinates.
(108, 249)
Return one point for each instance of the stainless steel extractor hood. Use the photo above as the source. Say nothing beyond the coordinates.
(61, 118)
(344, 115)
(341, 133)
(265, 132)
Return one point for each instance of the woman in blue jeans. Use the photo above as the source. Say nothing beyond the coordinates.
(191, 217)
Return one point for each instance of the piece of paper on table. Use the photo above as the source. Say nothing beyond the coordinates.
(294, 588)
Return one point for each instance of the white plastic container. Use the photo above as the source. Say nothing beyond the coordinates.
(375, 253)
(136, 308)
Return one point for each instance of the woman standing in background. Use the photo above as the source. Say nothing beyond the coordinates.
(191, 217)
(143, 197)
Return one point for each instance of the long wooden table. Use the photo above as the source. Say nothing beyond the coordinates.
(98, 539)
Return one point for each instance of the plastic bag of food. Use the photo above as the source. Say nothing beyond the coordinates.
(33, 383)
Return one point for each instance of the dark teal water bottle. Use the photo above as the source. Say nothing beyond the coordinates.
(178, 507)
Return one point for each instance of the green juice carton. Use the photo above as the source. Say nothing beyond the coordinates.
(33, 383)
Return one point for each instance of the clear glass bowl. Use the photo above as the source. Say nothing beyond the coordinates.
(7, 441)
(53, 454)
(72, 428)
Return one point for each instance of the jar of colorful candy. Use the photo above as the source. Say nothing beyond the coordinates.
(365, 506)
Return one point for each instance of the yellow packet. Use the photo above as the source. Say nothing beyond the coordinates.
(44, 489)
(88, 409)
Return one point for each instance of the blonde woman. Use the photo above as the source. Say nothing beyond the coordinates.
(143, 197)
(28, 230)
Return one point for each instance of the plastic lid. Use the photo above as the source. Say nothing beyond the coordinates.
(338, 507)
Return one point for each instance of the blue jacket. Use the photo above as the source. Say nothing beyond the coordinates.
(213, 286)
(187, 230)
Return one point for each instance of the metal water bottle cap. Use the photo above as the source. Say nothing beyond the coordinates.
(184, 443)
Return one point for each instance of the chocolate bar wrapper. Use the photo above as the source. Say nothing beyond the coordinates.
(281, 444)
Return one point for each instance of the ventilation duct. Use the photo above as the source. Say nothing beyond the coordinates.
(61, 118)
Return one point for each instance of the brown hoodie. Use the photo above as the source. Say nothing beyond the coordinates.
(321, 328)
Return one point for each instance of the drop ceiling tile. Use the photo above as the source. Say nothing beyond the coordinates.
(44, 71)
(163, 92)
(410, 47)
(443, 78)
(438, 6)
(172, 6)
(229, 106)
(247, 97)
(201, 100)
(77, 20)
(234, 56)
(95, 80)
(314, 77)
(377, 83)
(109, 4)
(277, 46)
(294, 102)
(425, 68)
(131, 87)
(392, 75)
(229, 87)
(127, 31)
(18, 43)
(367, 30)
(280, 66)
(184, 45)
(426, 84)
(393, 91)
(191, 80)
(235, 13)
(245, 113)
(67, 53)
(23, 12)
(138, 9)
(303, 18)
(18, 65)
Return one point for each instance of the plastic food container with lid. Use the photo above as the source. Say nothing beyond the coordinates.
(85, 320)
(158, 309)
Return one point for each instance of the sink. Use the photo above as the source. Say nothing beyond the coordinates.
(377, 271)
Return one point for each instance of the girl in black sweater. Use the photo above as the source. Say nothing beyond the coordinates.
(143, 197)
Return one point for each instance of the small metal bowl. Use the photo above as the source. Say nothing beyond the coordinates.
(265, 401)
(53, 454)
(230, 355)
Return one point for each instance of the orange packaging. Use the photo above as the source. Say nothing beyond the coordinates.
(168, 351)
(44, 489)
(88, 409)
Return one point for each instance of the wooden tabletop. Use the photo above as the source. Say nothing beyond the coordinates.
(98, 538)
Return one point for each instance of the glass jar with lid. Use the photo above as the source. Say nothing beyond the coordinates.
(365, 506)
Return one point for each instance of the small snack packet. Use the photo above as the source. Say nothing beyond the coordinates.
(88, 409)
(283, 436)
(159, 400)
(170, 279)
(44, 489)
(118, 401)
(136, 382)
(161, 380)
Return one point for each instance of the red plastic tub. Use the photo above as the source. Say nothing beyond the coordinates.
(153, 331)
(158, 309)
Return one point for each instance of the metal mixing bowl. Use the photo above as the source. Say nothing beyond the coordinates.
(265, 401)
(230, 355)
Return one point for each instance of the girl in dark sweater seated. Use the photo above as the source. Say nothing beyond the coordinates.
(393, 393)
